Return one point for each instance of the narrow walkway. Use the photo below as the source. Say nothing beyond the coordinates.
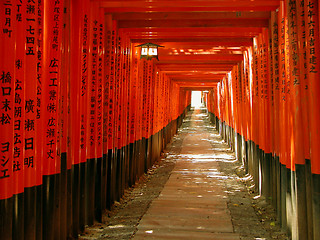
(197, 190)
(193, 203)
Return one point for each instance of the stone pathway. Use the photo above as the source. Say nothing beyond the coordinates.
(193, 202)
(197, 190)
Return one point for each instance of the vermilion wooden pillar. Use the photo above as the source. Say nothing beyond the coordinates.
(301, 26)
(149, 108)
(101, 162)
(267, 113)
(7, 70)
(252, 166)
(298, 159)
(312, 40)
(91, 130)
(84, 92)
(276, 106)
(32, 163)
(63, 125)
(39, 121)
(109, 73)
(18, 156)
(76, 24)
(123, 110)
(126, 69)
(139, 119)
(50, 108)
(282, 112)
(118, 113)
(248, 106)
(132, 115)
(256, 108)
(243, 108)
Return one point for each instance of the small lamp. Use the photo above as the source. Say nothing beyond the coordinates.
(149, 51)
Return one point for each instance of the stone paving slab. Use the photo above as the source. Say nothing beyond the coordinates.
(171, 191)
(181, 235)
(187, 224)
(189, 212)
(190, 203)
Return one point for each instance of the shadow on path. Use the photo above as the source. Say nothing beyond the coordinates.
(196, 191)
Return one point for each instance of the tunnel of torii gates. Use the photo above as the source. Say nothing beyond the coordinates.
(83, 116)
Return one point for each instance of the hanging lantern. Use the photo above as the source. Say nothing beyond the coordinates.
(149, 50)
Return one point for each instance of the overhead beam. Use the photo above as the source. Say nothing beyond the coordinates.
(202, 58)
(197, 80)
(176, 67)
(190, 9)
(187, 3)
(194, 23)
(195, 75)
(193, 72)
(194, 6)
(196, 65)
(204, 87)
(197, 88)
(185, 33)
(189, 29)
(199, 51)
(225, 69)
(215, 41)
(194, 81)
(193, 15)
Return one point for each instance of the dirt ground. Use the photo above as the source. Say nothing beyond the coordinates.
(251, 216)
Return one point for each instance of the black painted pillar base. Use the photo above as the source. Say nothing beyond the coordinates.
(117, 174)
(122, 171)
(69, 204)
(246, 150)
(145, 155)
(316, 205)
(90, 190)
(30, 213)
(278, 186)
(141, 154)
(290, 203)
(49, 208)
(256, 166)
(82, 195)
(250, 157)
(309, 193)
(136, 154)
(18, 217)
(283, 181)
(266, 175)
(127, 165)
(131, 165)
(63, 197)
(109, 195)
(39, 212)
(300, 183)
(98, 191)
(260, 169)
(104, 166)
(6, 206)
(75, 176)
(273, 182)
(217, 125)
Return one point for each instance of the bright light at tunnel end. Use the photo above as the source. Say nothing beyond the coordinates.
(196, 99)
